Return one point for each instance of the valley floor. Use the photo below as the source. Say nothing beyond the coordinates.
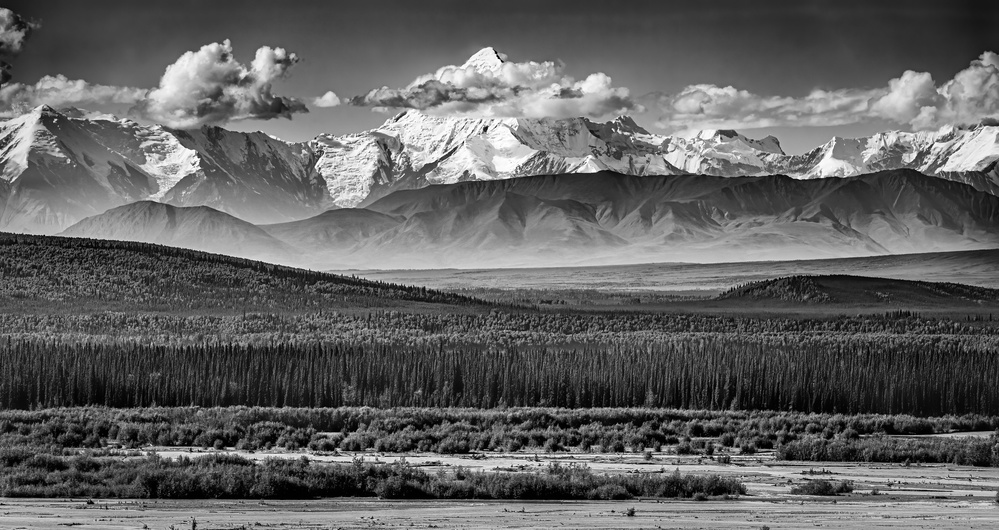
(979, 267)
(869, 512)
(918, 496)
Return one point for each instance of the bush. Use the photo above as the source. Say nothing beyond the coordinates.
(611, 492)
(822, 487)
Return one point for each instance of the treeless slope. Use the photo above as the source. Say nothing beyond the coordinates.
(612, 218)
(196, 228)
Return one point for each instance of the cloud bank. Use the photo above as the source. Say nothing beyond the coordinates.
(489, 85)
(58, 91)
(209, 86)
(912, 99)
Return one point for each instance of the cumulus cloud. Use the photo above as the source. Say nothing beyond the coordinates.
(489, 85)
(209, 86)
(912, 99)
(14, 31)
(329, 99)
(972, 96)
(58, 91)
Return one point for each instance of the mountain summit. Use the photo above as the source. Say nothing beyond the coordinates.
(485, 60)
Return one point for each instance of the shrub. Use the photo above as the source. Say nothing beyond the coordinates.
(611, 492)
(822, 487)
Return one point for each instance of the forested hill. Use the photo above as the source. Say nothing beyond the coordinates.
(860, 290)
(42, 274)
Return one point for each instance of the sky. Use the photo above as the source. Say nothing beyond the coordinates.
(803, 71)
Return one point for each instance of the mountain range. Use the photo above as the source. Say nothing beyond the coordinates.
(432, 191)
(58, 167)
(598, 218)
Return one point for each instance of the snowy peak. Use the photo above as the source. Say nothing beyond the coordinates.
(963, 155)
(770, 144)
(485, 60)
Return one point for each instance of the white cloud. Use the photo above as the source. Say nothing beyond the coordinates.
(329, 99)
(14, 30)
(488, 85)
(712, 107)
(912, 99)
(209, 86)
(906, 97)
(59, 91)
(971, 97)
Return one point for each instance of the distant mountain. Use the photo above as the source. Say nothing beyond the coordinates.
(606, 218)
(196, 228)
(57, 167)
(967, 156)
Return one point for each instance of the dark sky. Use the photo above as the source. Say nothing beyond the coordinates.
(778, 48)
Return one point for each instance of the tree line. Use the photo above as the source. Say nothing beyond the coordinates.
(809, 374)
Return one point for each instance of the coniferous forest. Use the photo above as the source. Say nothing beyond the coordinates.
(109, 344)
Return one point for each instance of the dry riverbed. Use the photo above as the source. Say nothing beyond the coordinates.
(885, 496)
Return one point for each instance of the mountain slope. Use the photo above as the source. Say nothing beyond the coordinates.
(197, 228)
(610, 218)
(59, 167)
(56, 172)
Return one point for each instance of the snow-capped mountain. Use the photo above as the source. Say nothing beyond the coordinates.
(967, 156)
(413, 150)
(57, 167)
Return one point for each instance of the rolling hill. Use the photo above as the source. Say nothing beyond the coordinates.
(860, 291)
(47, 274)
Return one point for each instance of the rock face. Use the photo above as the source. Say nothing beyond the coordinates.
(599, 218)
